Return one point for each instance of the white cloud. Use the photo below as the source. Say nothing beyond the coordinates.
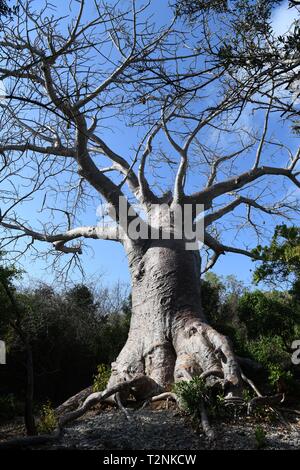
(283, 17)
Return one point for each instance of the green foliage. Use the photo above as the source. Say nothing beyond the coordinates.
(82, 297)
(277, 374)
(245, 17)
(260, 437)
(281, 259)
(194, 392)
(193, 8)
(272, 353)
(248, 395)
(101, 378)
(241, 40)
(269, 350)
(262, 325)
(268, 313)
(48, 421)
(191, 394)
(71, 330)
(219, 297)
(79, 328)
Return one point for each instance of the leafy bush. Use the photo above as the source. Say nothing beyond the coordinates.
(276, 374)
(248, 394)
(268, 350)
(48, 421)
(268, 313)
(260, 437)
(281, 259)
(101, 378)
(190, 394)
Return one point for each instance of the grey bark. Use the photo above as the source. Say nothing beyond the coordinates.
(169, 338)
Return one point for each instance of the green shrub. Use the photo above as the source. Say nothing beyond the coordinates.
(260, 437)
(276, 373)
(48, 421)
(268, 350)
(190, 394)
(101, 378)
(248, 395)
(268, 314)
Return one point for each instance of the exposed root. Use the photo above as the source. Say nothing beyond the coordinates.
(213, 372)
(162, 396)
(200, 351)
(270, 401)
(265, 401)
(121, 406)
(208, 430)
(203, 351)
(143, 406)
(74, 401)
(251, 384)
(165, 396)
(126, 388)
(262, 400)
(290, 410)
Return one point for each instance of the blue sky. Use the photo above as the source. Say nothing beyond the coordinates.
(106, 260)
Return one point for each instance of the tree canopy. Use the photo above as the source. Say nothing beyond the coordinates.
(175, 89)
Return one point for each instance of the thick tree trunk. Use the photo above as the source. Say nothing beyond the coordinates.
(169, 339)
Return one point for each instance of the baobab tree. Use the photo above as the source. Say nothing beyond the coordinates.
(70, 77)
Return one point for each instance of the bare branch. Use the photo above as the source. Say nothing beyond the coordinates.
(58, 151)
(59, 240)
(210, 218)
(263, 137)
(221, 249)
(238, 182)
(215, 164)
(146, 193)
(121, 164)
